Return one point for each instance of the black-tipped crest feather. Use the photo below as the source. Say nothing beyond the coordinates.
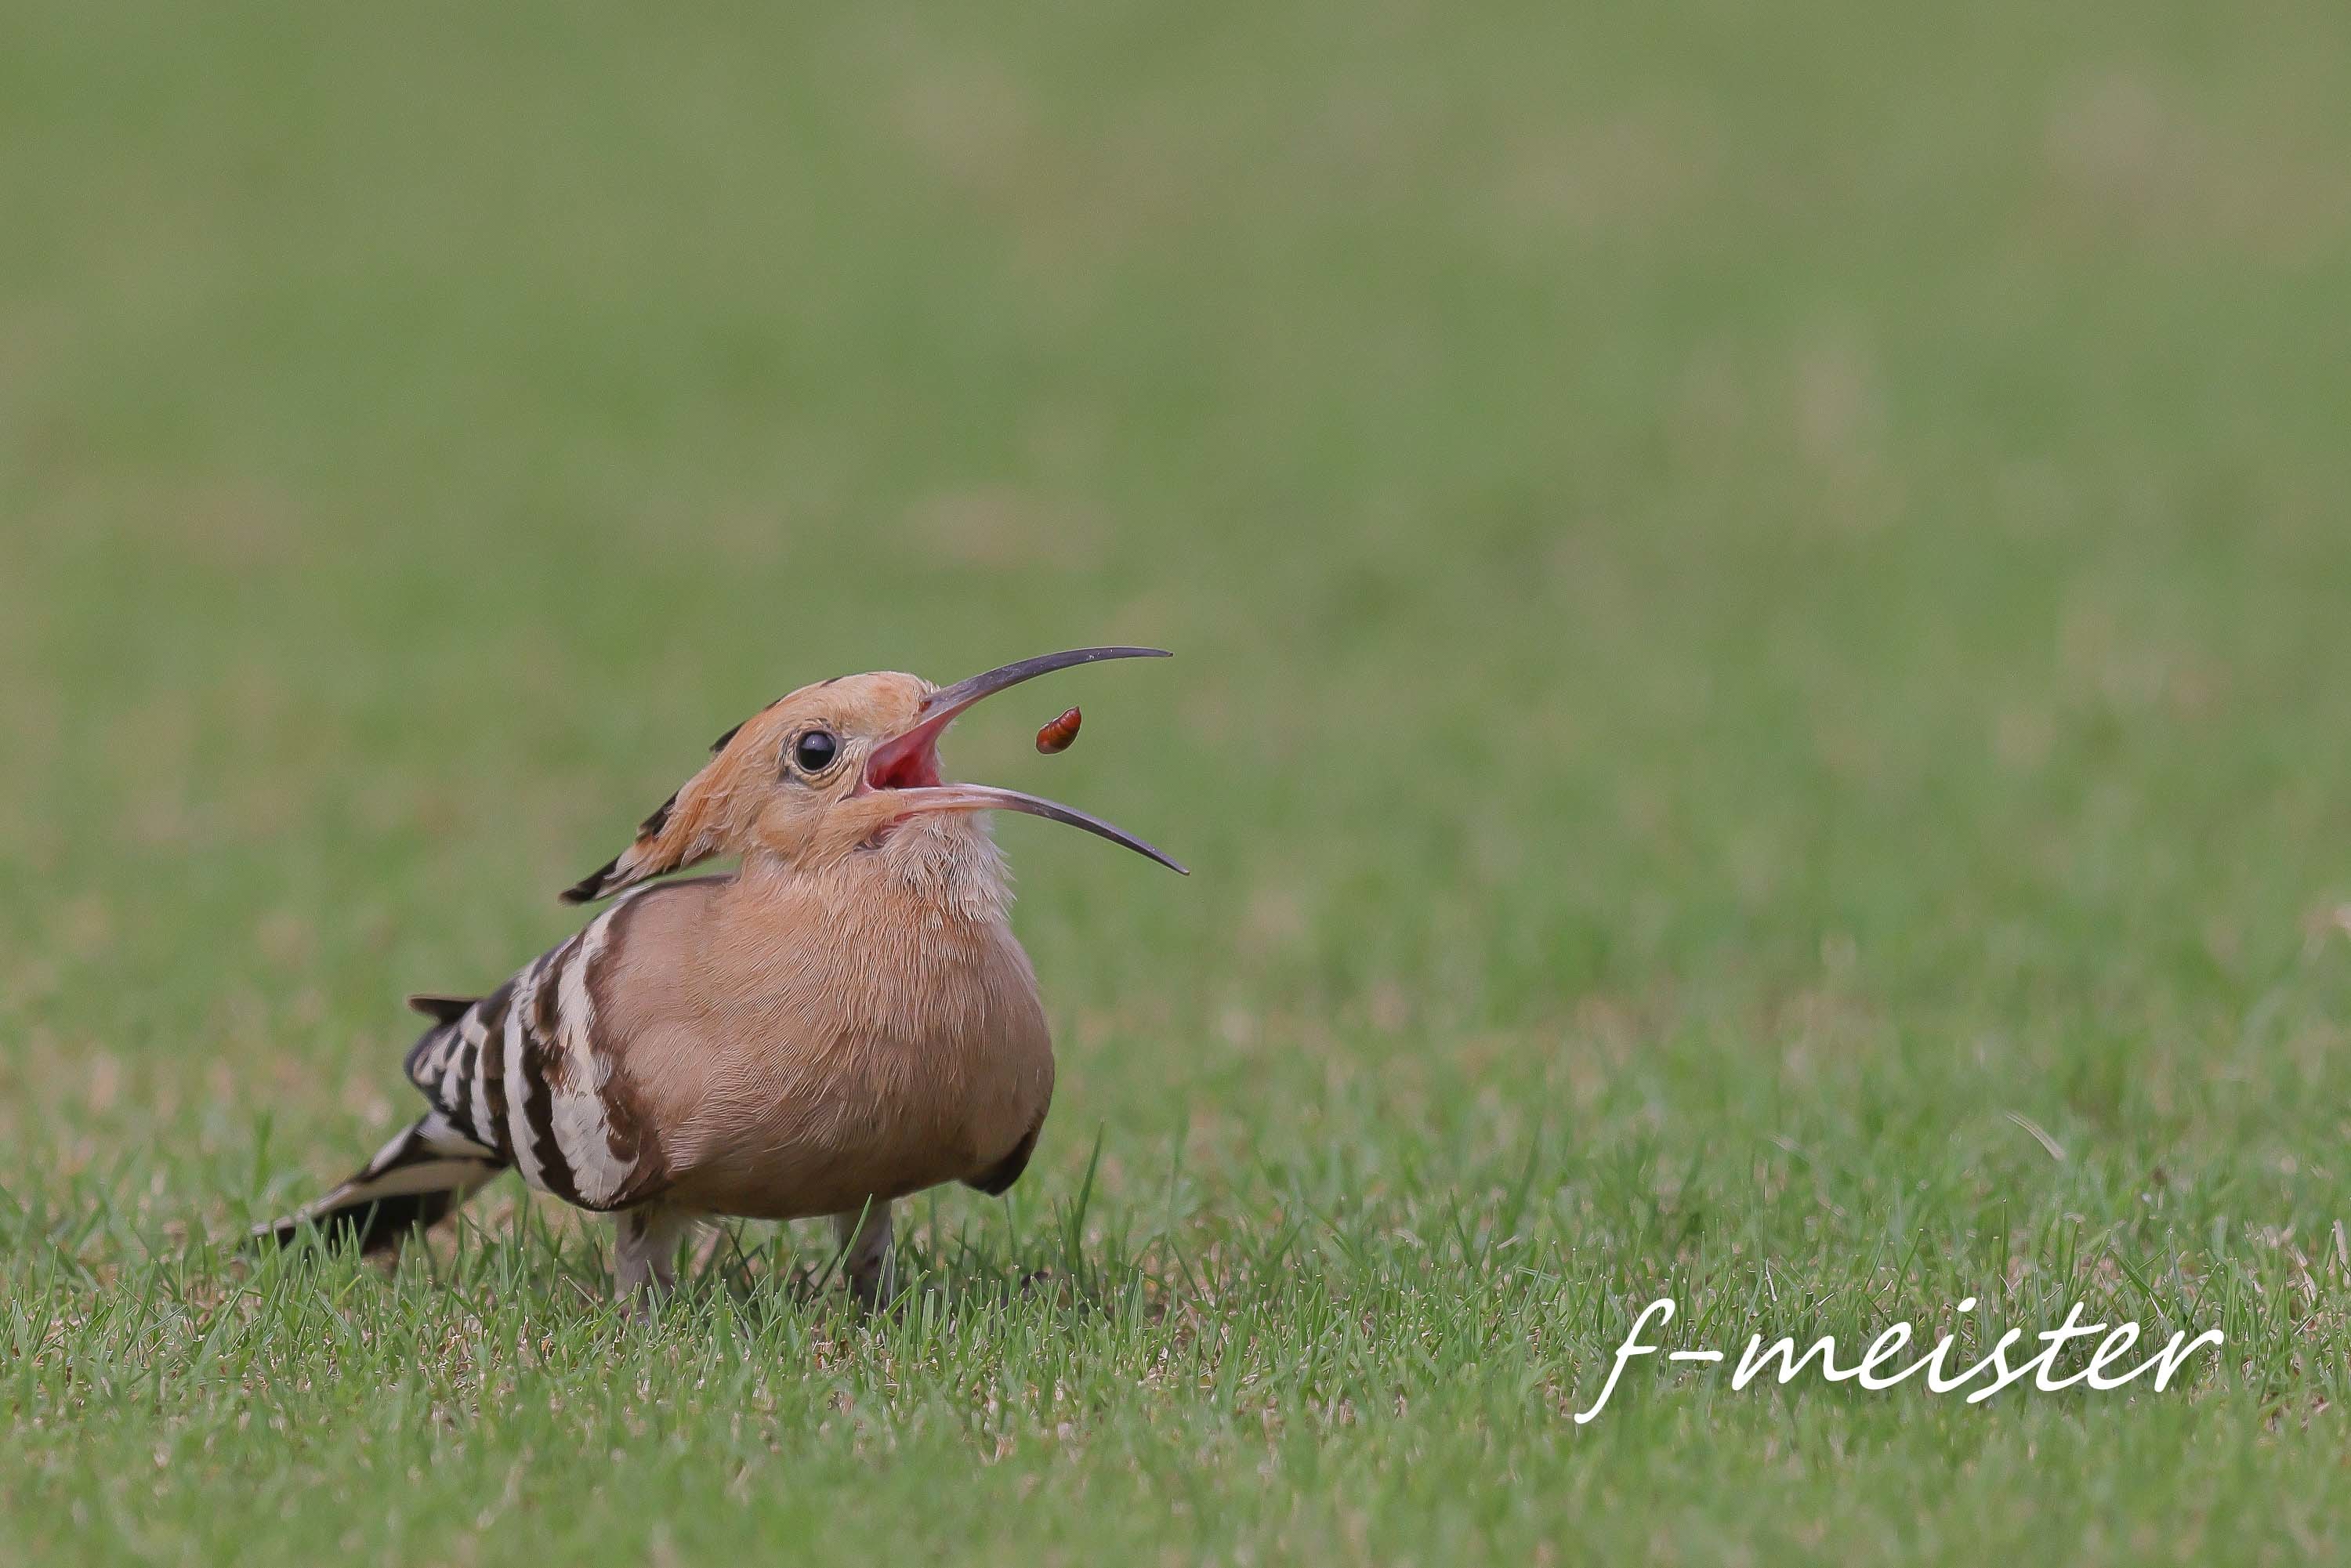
(589, 888)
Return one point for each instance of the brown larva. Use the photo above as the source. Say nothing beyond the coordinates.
(1057, 735)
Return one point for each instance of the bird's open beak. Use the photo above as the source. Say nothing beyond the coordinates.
(907, 765)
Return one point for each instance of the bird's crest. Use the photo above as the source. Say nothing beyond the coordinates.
(683, 830)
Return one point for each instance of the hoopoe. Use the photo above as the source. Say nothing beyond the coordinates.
(842, 1021)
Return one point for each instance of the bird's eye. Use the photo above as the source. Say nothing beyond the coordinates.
(813, 753)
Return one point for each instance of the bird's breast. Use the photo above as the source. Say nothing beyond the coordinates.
(907, 1049)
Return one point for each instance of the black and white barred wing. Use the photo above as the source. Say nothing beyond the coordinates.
(525, 1074)
(521, 1078)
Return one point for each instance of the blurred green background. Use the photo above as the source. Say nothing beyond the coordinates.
(1760, 592)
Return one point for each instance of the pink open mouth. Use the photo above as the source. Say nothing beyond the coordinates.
(897, 766)
(910, 762)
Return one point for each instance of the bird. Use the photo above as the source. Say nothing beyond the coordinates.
(842, 1020)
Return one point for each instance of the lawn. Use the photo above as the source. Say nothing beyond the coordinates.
(1764, 714)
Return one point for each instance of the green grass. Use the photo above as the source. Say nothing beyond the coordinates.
(1761, 593)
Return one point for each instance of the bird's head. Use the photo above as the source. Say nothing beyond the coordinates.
(830, 770)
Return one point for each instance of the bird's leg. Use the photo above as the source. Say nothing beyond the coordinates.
(644, 1255)
(864, 1234)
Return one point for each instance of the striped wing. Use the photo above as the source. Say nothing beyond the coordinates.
(525, 1072)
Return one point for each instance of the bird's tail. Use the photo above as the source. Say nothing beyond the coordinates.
(415, 1180)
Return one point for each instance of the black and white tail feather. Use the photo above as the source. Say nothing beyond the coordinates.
(415, 1181)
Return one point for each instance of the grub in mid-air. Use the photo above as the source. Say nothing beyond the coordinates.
(1056, 737)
